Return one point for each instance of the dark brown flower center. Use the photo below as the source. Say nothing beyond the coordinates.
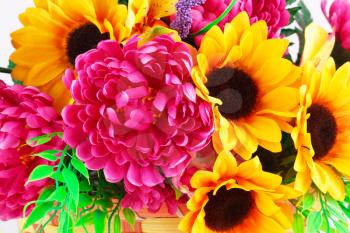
(323, 129)
(82, 40)
(227, 209)
(235, 89)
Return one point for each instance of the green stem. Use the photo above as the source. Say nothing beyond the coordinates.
(48, 221)
(81, 215)
(215, 22)
(111, 216)
(63, 155)
(5, 70)
(324, 212)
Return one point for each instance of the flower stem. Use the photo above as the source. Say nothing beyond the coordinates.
(215, 22)
(111, 216)
(5, 70)
(324, 211)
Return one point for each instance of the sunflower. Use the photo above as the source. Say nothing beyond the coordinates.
(243, 75)
(237, 199)
(55, 32)
(322, 129)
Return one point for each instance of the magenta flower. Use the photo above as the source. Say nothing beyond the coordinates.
(136, 198)
(25, 113)
(274, 12)
(339, 18)
(136, 114)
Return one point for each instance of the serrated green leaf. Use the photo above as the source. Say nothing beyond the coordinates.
(313, 222)
(72, 183)
(84, 200)
(80, 167)
(308, 201)
(129, 216)
(298, 223)
(40, 140)
(99, 221)
(40, 172)
(341, 227)
(117, 224)
(37, 213)
(49, 155)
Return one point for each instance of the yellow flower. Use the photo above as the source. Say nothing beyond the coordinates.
(55, 32)
(243, 75)
(237, 199)
(322, 130)
(144, 14)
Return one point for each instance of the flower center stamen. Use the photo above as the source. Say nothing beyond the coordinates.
(227, 209)
(83, 39)
(323, 129)
(235, 89)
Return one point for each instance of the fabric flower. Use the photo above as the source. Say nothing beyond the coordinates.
(55, 33)
(25, 113)
(321, 133)
(245, 78)
(273, 12)
(152, 198)
(136, 114)
(339, 18)
(237, 198)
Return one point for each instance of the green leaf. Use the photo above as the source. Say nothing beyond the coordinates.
(341, 227)
(117, 224)
(46, 193)
(40, 172)
(129, 216)
(313, 222)
(62, 222)
(294, 10)
(347, 189)
(40, 140)
(80, 167)
(57, 176)
(87, 219)
(48, 155)
(59, 194)
(84, 200)
(346, 210)
(308, 201)
(72, 183)
(37, 213)
(99, 221)
(288, 32)
(298, 223)
(84, 186)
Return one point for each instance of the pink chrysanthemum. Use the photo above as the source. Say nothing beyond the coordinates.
(136, 114)
(152, 198)
(339, 18)
(25, 113)
(274, 12)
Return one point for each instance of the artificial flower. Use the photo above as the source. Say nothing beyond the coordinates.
(273, 12)
(25, 113)
(152, 198)
(321, 132)
(237, 198)
(55, 33)
(144, 14)
(243, 76)
(136, 114)
(339, 18)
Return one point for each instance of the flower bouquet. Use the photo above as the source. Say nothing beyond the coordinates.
(177, 116)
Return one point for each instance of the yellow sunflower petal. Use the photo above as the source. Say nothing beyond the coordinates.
(204, 179)
(303, 181)
(264, 129)
(265, 204)
(225, 165)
